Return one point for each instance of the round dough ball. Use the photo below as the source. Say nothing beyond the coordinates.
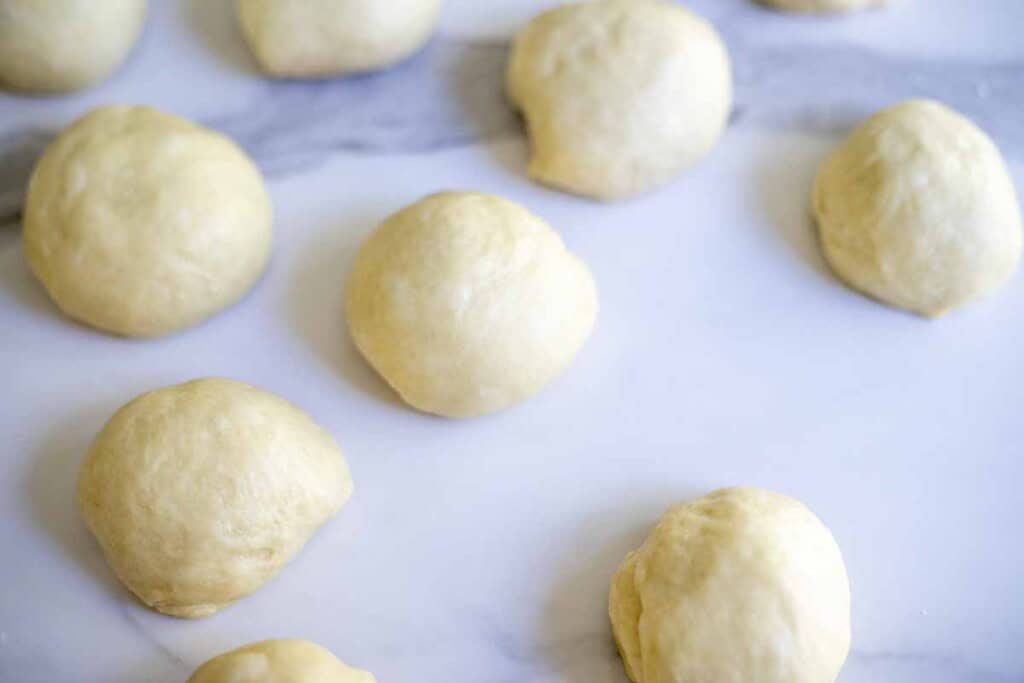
(64, 45)
(330, 37)
(199, 493)
(916, 208)
(619, 95)
(739, 585)
(142, 223)
(823, 5)
(467, 303)
(277, 661)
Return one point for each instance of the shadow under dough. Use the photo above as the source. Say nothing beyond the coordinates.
(215, 25)
(315, 304)
(52, 496)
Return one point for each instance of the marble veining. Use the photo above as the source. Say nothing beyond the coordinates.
(481, 551)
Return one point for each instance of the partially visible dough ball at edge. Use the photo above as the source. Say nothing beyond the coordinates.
(54, 46)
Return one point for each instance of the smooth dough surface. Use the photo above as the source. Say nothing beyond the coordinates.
(916, 208)
(200, 492)
(282, 660)
(824, 5)
(619, 95)
(467, 303)
(329, 37)
(65, 45)
(142, 223)
(740, 585)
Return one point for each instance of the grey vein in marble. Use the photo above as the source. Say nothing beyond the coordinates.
(452, 95)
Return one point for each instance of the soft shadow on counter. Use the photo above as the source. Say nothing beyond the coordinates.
(315, 308)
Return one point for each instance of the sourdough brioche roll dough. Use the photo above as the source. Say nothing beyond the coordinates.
(467, 303)
(329, 37)
(823, 5)
(619, 95)
(916, 208)
(64, 45)
(142, 223)
(279, 661)
(199, 493)
(739, 585)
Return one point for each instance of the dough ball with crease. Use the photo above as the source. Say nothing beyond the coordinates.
(917, 209)
(279, 661)
(467, 303)
(331, 37)
(824, 6)
(65, 45)
(619, 95)
(199, 493)
(740, 585)
(142, 223)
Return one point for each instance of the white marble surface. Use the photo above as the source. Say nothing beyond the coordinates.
(725, 354)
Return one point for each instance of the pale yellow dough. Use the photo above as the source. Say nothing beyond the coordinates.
(824, 5)
(916, 208)
(200, 492)
(619, 95)
(467, 303)
(329, 37)
(279, 661)
(742, 585)
(65, 45)
(142, 223)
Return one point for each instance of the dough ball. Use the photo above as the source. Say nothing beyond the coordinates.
(199, 493)
(278, 661)
(64, 45)
(739, 585)
(619, 95)
(467, 303)
(916, 208)
(823, 5)
(329, 37)
(142, 223)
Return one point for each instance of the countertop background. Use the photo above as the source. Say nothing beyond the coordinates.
(725, 353)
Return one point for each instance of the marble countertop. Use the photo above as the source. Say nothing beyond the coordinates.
(725, 354)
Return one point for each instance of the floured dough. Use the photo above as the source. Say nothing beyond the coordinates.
(327, 37)
(279, 661)
(467, 303)
(739, 585)
(916, 208)
(64, 45)
(619, 95)
(142, 223)
(824, 5)
(200, 492)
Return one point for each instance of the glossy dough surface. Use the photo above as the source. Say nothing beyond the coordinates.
(619, 95)
(467, 303)
(200, 492)
(327, 37)
(142, 223)
(916, 208)
(279, 661)
(65, 45)
(737, 586)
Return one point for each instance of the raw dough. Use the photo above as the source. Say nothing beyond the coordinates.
(328, 37)
(467, 303)
(199, 493)
(916, 208)
(740, 585)
(823, 5)
(64, 45)
(619, 95)
(279, 661)
(142, 223)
